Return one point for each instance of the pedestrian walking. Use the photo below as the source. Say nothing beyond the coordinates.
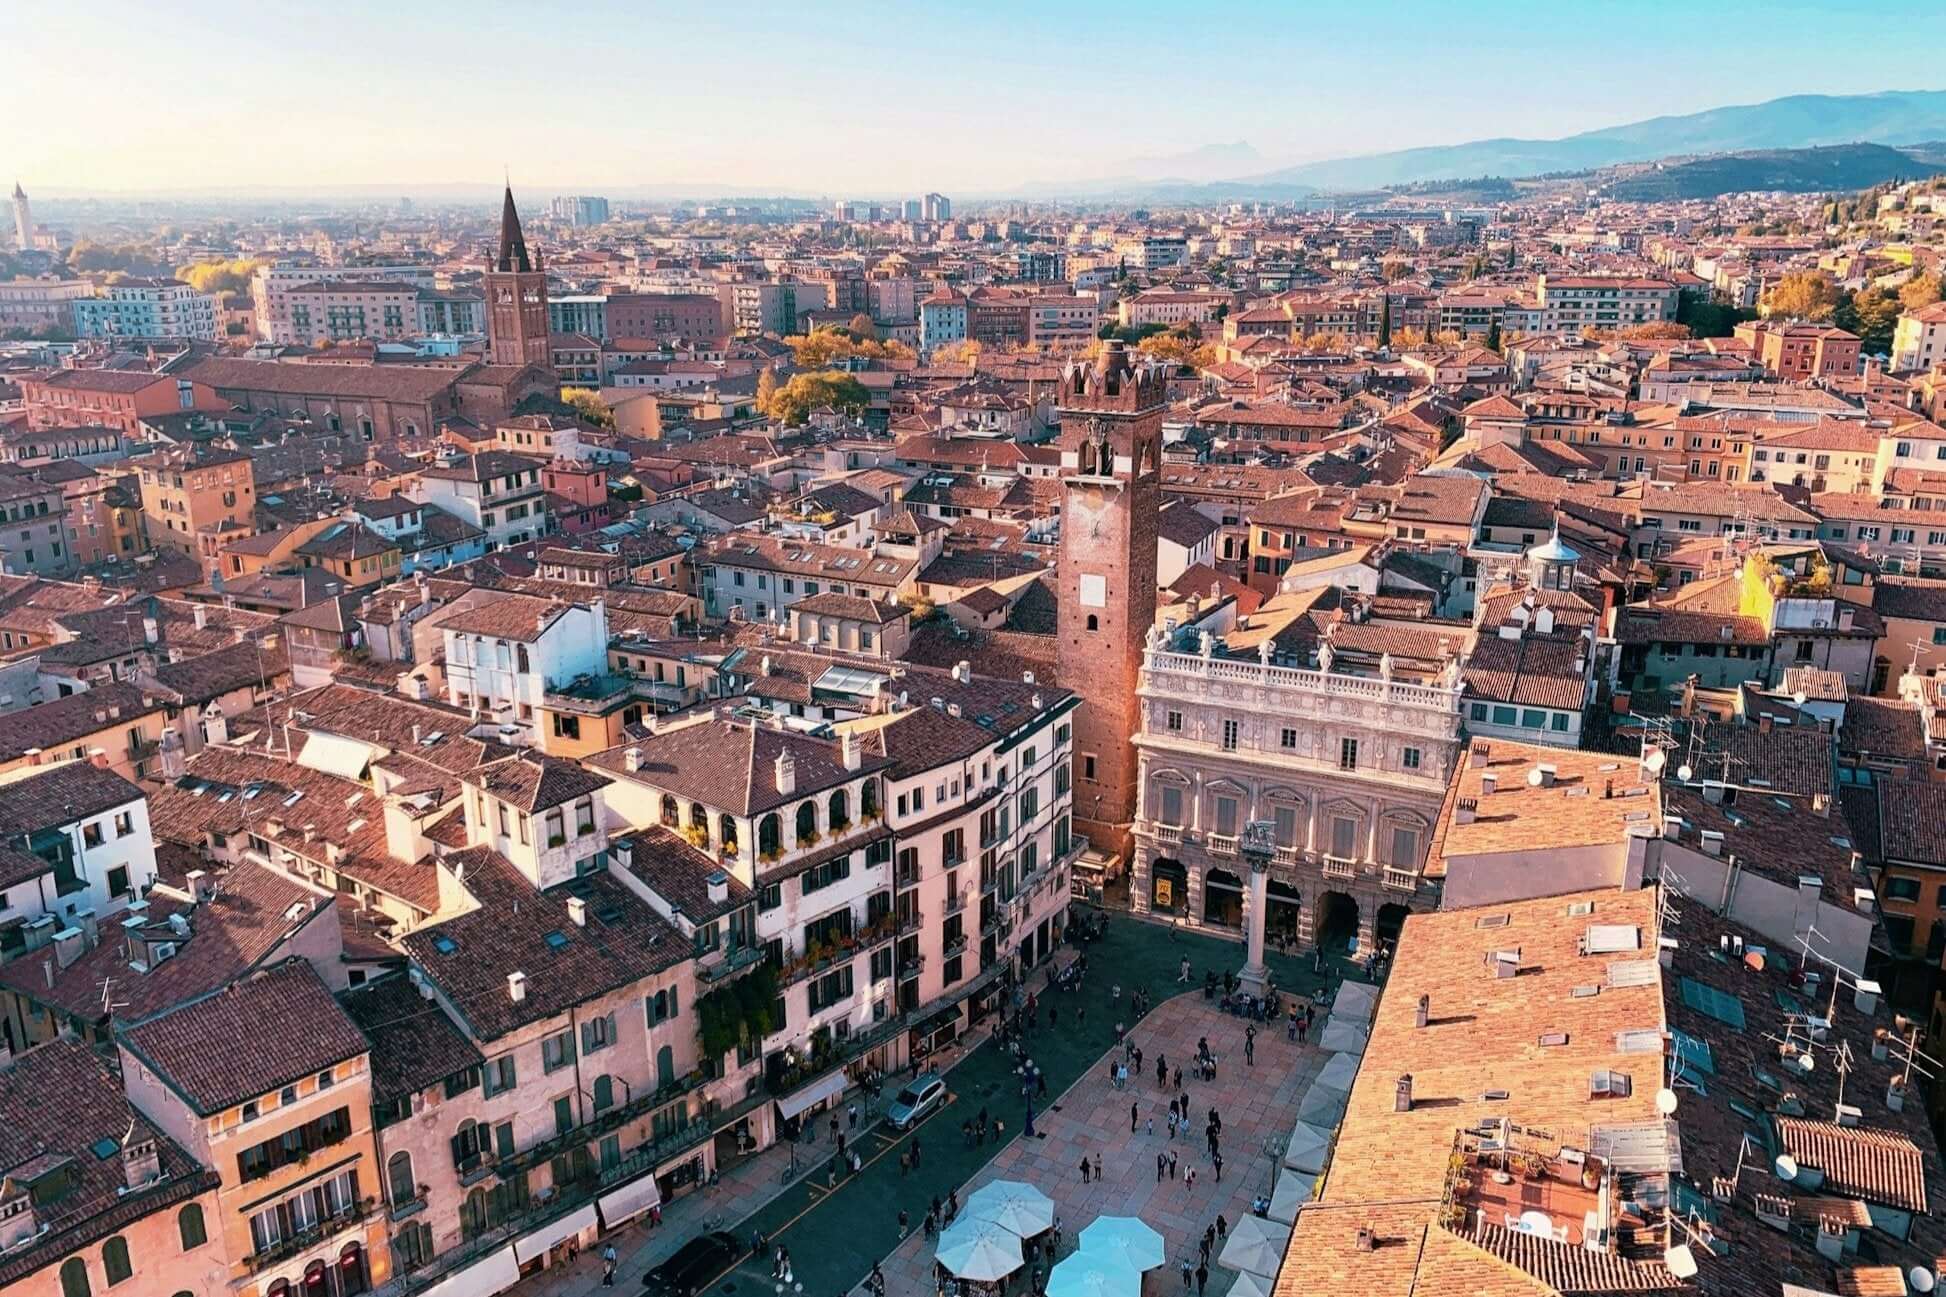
(915, 1152)
(966, 1131)
(1188, 1275)
(1189, 1180)
(1178, 1080)
(1131, 1118)
(905, 1222)
(1222, 1230)
(1162, 1070)
(1161, 1165)
(851, 1115)
(905, 1166)
(1216, 1160)
(1249, 1046)
(1172, 1166)
(1183, 974)
(1097, 1166)
(1150, 1125)
(931, 1224)
(1202, 1278)
(1115, 996)
(834, 1127)
(1080, 1015)
(1138, 1060)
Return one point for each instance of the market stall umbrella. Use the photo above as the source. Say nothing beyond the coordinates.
(1292, 1191)
(1125, 1236)
(1250, 1285)
(1094, 1274)
(1256, 1246)
(1307, 1147)
(1355, 1002)
(1012, 1205)
(979, 1250)
(1344, 1037)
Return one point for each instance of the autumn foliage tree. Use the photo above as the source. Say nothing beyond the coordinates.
(826, 346)
(588, 406)
(1803, 295)
(1919, 291)
(793, 403)
(219, 277)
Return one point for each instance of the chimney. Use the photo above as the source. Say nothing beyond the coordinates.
(200, 887)
(1477, 755)
(18, 1221)
(1466, 810)
(963, 671)
(1402, 1094)
(69, 945)
(1544, 775)
(1864, 996)
(763, 665)
(1846, 1114)
(578, 911)
(516, 987)
(786, 772)
(632, 760)
(141, 1162)
(1895, 1094)
(1027, 677)
(719, 887)
(150, 630)
(98, 758)
(1424, 1008)
(849, 749)
(1831, 1239)
(1489, 784)
(201, 614)
(1367, 1239)
(1712, 842)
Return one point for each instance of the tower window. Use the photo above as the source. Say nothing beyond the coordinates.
(1229, 736)
(1094, 622)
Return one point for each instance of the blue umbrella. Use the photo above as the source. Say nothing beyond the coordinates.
(1125, 1237)
(1094, 1274)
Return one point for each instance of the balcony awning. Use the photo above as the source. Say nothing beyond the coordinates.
(826, 1087)
(346, 758)
(537, 1243)
(629, 1201)
(496, 1273)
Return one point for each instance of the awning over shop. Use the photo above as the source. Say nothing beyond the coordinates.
(537, 1243)
(495, 1273)
(629, 1201)
(948, 1016)
(825, 1087)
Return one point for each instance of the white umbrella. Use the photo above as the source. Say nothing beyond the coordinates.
(1125, 1236)
(1250, 1285)
(1293, 1189)
(1344, 1037)
(1307, 1147)
(979, 1250)
(1020, 1208)
(1355, 1001)
(1338, 1072)
(1255, 1245)
(1094, 1274)
(1322, 1105)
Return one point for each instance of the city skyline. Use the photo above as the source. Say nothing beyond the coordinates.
(627, 100)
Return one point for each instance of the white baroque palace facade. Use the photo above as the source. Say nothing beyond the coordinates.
(1348, 769)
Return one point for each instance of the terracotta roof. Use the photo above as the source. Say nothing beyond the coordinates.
(731, 765)
(414, 1044)
(1882, 1166)
(61, 795)
(214, 1051)
(53, 725)
(530, 782)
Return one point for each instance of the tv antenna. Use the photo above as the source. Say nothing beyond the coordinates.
(1908, 1035)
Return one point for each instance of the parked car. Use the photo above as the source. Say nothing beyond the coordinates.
(916, 1102)
(695, 1266)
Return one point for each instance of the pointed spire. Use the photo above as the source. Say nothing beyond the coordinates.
(513, 244)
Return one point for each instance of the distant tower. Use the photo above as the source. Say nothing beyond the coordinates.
(23, 220)
(1111, 461)
(516, 298)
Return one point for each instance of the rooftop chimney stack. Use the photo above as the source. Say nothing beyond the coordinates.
(516, 987)
(786, 773)
(632, 760)
(578, 911)
(1421, 1013)
(1402, 1094)
(141, 1162)
(850, 750)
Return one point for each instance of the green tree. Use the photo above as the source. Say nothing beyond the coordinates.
(1873, 316)
(1385, 322)
(1493, 336)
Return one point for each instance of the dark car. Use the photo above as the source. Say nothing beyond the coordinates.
(696, 1265)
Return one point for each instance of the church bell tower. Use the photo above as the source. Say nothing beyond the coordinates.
(1111, 463)
(516, 298)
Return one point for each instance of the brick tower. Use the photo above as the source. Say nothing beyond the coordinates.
(516, 298)
(1111, 461)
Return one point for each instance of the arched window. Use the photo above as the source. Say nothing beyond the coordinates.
(604, 1092)
(74, 1278)
(114, 1260)
(279, 1288)
(398, 1174)
(352, 1279)
(726, 833)
(699, 816)
(770, 835)
(665, 1067)
(473, 1215)
(838, 812)
(1094, 622)
(868, 798)
(671, 812)
(807, 822)
(189, 1223)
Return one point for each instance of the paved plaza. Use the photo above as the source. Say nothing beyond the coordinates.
(835, 1234)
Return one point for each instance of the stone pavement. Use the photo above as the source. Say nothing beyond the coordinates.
(1257, 1105)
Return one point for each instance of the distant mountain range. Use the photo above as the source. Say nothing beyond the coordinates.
(1891, 117)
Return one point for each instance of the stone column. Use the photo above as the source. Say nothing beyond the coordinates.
(1256, 910)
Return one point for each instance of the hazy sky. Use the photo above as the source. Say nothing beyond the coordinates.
(865, 98)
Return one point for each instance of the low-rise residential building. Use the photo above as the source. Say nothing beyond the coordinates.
(198, 500)
(498, 492)
(146, 310)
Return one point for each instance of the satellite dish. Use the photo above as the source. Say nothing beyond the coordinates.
(1922, 1279)
(1656, 760)
(1681, 1261)
(1786, 1167)
(1798, 698)
(1808, 1061)
(1534, 778)
(1754, 960)
(1684, 773)
(1666, 1101)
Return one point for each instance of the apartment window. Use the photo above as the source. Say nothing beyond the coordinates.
(563, 1114)
(1226, 816)
(557, 1051)
(124, 824)
(1348, 754)
(1344, 837)
(1230, 731)
(498, 1076)
(1171, 805)
(91, 835)
(1410, 758)
(556, 832)
(1173, 722)
(597, 1034)
(1088, 766)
